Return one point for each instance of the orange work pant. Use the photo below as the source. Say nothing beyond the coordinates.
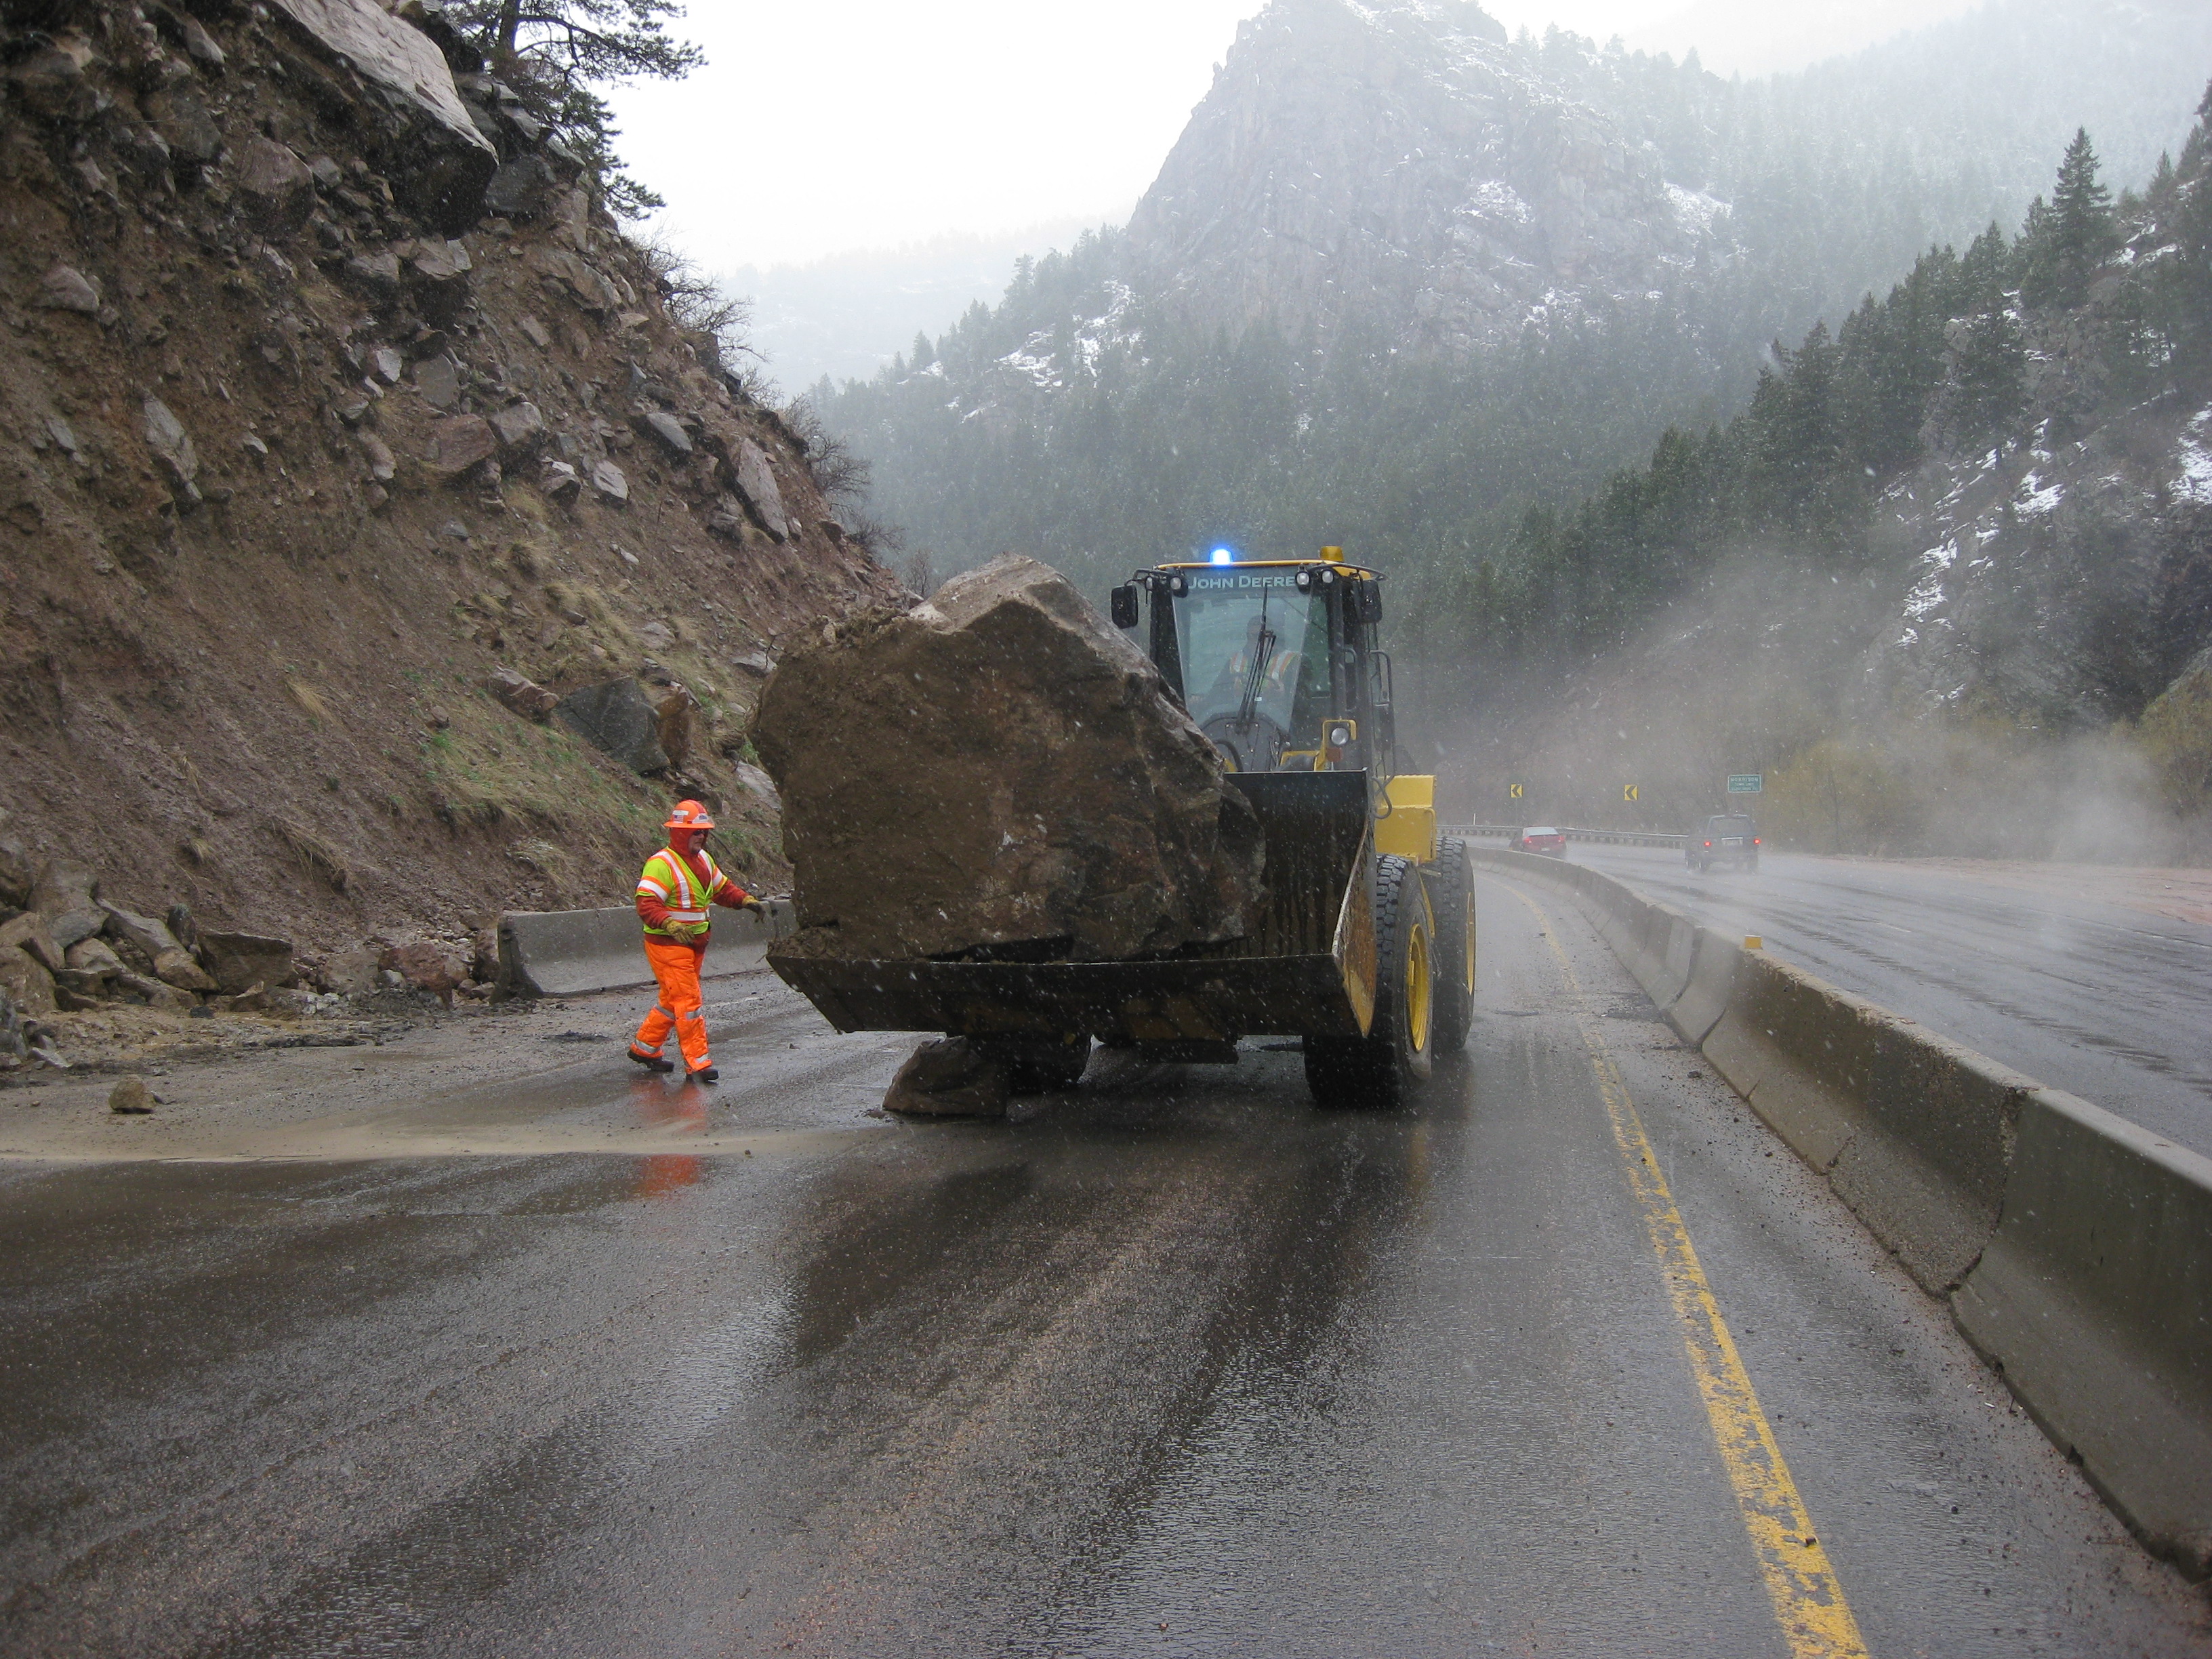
(675, 970)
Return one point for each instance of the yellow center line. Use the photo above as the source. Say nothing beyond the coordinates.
(1808, 1599)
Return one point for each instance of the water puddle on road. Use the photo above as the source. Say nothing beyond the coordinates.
(578, 1110)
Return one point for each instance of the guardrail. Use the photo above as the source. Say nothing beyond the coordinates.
(1612, 837)
(2074, 1250)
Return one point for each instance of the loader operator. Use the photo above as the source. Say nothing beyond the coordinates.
(1272, 687)
(677, 884)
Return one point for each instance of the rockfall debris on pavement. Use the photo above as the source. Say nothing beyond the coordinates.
(127, 986)
(998, 770)
(131, 1097)
(950, 1077)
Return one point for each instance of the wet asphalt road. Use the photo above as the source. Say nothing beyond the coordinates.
(1176, 1366)
(2107, 1003)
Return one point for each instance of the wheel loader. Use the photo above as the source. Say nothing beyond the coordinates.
(1365, 947)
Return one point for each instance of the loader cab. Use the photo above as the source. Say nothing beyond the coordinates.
(1279, 661)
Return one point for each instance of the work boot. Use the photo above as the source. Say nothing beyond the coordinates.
(651, 1062)
(705, 1074)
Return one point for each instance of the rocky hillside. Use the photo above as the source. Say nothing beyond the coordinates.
(1953, 565)
(342, 436)
(2065, 575)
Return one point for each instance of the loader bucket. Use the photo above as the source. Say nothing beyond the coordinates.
(1307, 967)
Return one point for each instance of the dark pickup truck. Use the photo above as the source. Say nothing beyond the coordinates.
(1729, 838)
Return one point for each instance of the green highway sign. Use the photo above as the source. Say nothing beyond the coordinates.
(1745, 783)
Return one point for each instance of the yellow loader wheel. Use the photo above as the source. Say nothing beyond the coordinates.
(1384, 1067)
(1451, 898)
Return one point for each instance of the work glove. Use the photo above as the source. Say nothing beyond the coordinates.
(755, 906)
(693, 933)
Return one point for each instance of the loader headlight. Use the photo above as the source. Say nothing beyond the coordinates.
(1339, 736)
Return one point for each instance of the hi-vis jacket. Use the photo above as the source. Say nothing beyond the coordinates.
(672, 889)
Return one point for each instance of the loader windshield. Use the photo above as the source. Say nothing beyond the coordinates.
(1253, 649)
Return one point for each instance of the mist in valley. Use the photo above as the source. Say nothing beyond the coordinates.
(1794, 419)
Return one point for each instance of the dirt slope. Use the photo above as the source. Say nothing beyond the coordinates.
(258, 559)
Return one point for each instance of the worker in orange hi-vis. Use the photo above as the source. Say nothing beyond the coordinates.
(678, 885)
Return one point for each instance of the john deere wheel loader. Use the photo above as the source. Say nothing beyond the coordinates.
(1365, 948)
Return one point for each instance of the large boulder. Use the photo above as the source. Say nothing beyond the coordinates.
(17, 873)
(27, 933)
(436, 156)
(951, 1076)
(457, 443)
(15, 1043)
(172, 445)
(427, 966)
(756, 483)
(67, 893)
(276, 184)
(171, 962)
(619, 717)
(999, 768)
(28, 984)
(241, 961)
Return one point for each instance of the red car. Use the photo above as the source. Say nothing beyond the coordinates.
(1541, 838)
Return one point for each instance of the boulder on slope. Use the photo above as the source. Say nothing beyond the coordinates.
(436, 157)
(67, 893)
(618, 717)
(999, 767)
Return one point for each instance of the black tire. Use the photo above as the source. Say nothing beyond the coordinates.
(1451, 901)
(1385, 1067)
(1041, 1065)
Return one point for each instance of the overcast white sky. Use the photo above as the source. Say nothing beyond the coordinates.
(842, 124)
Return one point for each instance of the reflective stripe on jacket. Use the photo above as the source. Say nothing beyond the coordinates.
(670, 879)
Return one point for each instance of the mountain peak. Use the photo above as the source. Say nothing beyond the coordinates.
(1352, 152)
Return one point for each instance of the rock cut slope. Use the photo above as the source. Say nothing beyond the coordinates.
(341, 435)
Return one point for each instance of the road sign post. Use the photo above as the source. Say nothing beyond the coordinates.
(1746, 783)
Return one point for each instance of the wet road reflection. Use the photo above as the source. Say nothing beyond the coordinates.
(1178, 1364)
(681, 1109)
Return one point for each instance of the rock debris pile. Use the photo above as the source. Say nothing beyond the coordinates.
(998, 771)
(65, 949)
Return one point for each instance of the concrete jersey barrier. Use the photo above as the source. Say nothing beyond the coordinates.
(2095, 1300)
(566, 953)
(2075, 1249)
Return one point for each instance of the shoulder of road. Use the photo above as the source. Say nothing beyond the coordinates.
(2073, 1249)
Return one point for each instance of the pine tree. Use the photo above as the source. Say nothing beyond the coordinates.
(557, 53)
(2073, 237)
(1984, 269)
(1987, 380)
(2181, 299)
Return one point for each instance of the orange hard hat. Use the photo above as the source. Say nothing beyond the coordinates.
(689, 815)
